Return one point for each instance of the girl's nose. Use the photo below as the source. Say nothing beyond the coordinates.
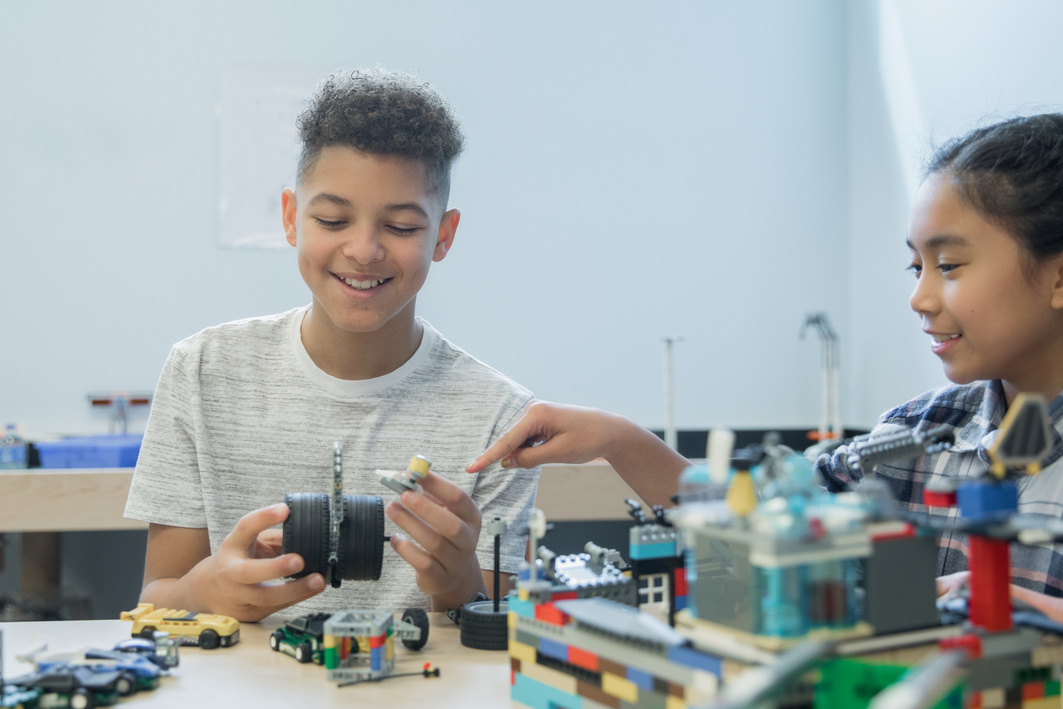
(924, 298)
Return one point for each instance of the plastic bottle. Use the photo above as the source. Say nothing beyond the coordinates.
(12, 450)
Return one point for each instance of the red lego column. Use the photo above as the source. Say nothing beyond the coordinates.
(989, 604)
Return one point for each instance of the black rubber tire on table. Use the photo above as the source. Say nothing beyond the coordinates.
(275, 640)
(208, 639)
(305, 531)
(361, 553)
(148, 631)
(126, 684)
(81, 699)
(418, 617)
(482, 628)
(304, 652)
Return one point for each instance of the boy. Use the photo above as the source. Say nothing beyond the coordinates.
(248, 411)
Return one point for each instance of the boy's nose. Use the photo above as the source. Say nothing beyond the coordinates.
(363, 246)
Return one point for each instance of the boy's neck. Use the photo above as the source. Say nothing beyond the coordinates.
(359, 355)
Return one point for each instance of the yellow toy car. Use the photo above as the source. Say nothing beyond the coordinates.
(206, 630)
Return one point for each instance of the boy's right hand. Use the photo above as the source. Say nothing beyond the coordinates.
(552, 433)
(243, 579)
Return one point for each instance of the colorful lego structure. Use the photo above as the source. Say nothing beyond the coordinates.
(800, 599)
(359, 645)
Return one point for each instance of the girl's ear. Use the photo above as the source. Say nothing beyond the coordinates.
(1055, 274)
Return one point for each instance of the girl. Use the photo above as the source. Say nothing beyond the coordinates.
(986, 241)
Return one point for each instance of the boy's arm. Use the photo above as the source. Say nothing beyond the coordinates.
(557, 433)
(180, 571)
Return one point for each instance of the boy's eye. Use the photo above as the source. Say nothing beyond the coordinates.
(403, 231)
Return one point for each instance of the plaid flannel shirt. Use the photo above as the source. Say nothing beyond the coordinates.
(974, 412)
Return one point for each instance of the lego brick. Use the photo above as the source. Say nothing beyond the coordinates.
(547, 675)
(522, 652)
(549, 613)
(994, 698)
(989, 599)
(551, 648)
(522, 607)
(643, 680)
(526, 638)
(1032, 690)
(984, 501)
(653, 551)
(691, 657)
(595, 694)
(620, 687)
(582, 658)
(538, 695)
(899, 585)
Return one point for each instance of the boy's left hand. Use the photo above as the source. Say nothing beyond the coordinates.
(445, 522)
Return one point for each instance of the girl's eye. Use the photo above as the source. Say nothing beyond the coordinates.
(946, 267)
(915, 268)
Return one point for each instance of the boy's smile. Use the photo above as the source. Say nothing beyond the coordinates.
(989, 313)
(367, 230)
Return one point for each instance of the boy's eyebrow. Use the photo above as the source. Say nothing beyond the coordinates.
(939, 240)
(407, 205)
(331, 198)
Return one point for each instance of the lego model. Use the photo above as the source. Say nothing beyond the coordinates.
(301, 637)
(801, 598)
(15, 696)
(72, 686)
(206, 630)
(359, 645)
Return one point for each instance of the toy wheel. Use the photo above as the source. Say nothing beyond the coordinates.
(482, 628)
(304, 652)
(362, 538)
(275, 640)
(418, 617)
(81, 699)
(208, 640)
(305, 531)
(148, 631)
(126, 684)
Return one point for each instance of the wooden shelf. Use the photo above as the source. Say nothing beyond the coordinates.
(65, 500)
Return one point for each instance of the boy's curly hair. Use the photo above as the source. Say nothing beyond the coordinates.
(382, 112)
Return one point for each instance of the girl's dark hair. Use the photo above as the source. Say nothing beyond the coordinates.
(382, 113)
(1012, 173)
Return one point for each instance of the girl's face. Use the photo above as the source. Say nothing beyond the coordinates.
(989, 315)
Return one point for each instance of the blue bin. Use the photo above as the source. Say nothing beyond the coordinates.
(91, 452)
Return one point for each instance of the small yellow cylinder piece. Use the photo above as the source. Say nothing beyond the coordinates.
(742, 494)
(419, 466)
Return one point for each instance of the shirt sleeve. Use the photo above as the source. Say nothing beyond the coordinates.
(166, 484)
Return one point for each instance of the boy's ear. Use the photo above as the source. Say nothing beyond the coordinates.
(288, 214)
(447, 226)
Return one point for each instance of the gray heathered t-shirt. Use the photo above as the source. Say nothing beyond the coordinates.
(242, 415)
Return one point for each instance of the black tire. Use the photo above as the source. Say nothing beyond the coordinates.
(482, 628)
(305, 531)
(361, 552)
(126, 684)
(208, 639)
(275, 640)
(304, 652)
(81, 699)
(148, 631)
(418, 617)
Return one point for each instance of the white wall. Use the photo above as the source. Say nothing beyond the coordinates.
(919, 74)
(633, 171)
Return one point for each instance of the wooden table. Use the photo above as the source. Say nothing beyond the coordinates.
(250, 674)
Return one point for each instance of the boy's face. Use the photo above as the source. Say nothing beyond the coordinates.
(366, 229)
(987, 317)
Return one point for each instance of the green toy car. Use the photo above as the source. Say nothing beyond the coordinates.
(301, 637)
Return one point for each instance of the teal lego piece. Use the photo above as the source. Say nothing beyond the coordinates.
(521, 608)
(652, 551)
(538, 695)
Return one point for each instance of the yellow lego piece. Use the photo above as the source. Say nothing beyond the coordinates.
(620, 687)
(521, 651)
